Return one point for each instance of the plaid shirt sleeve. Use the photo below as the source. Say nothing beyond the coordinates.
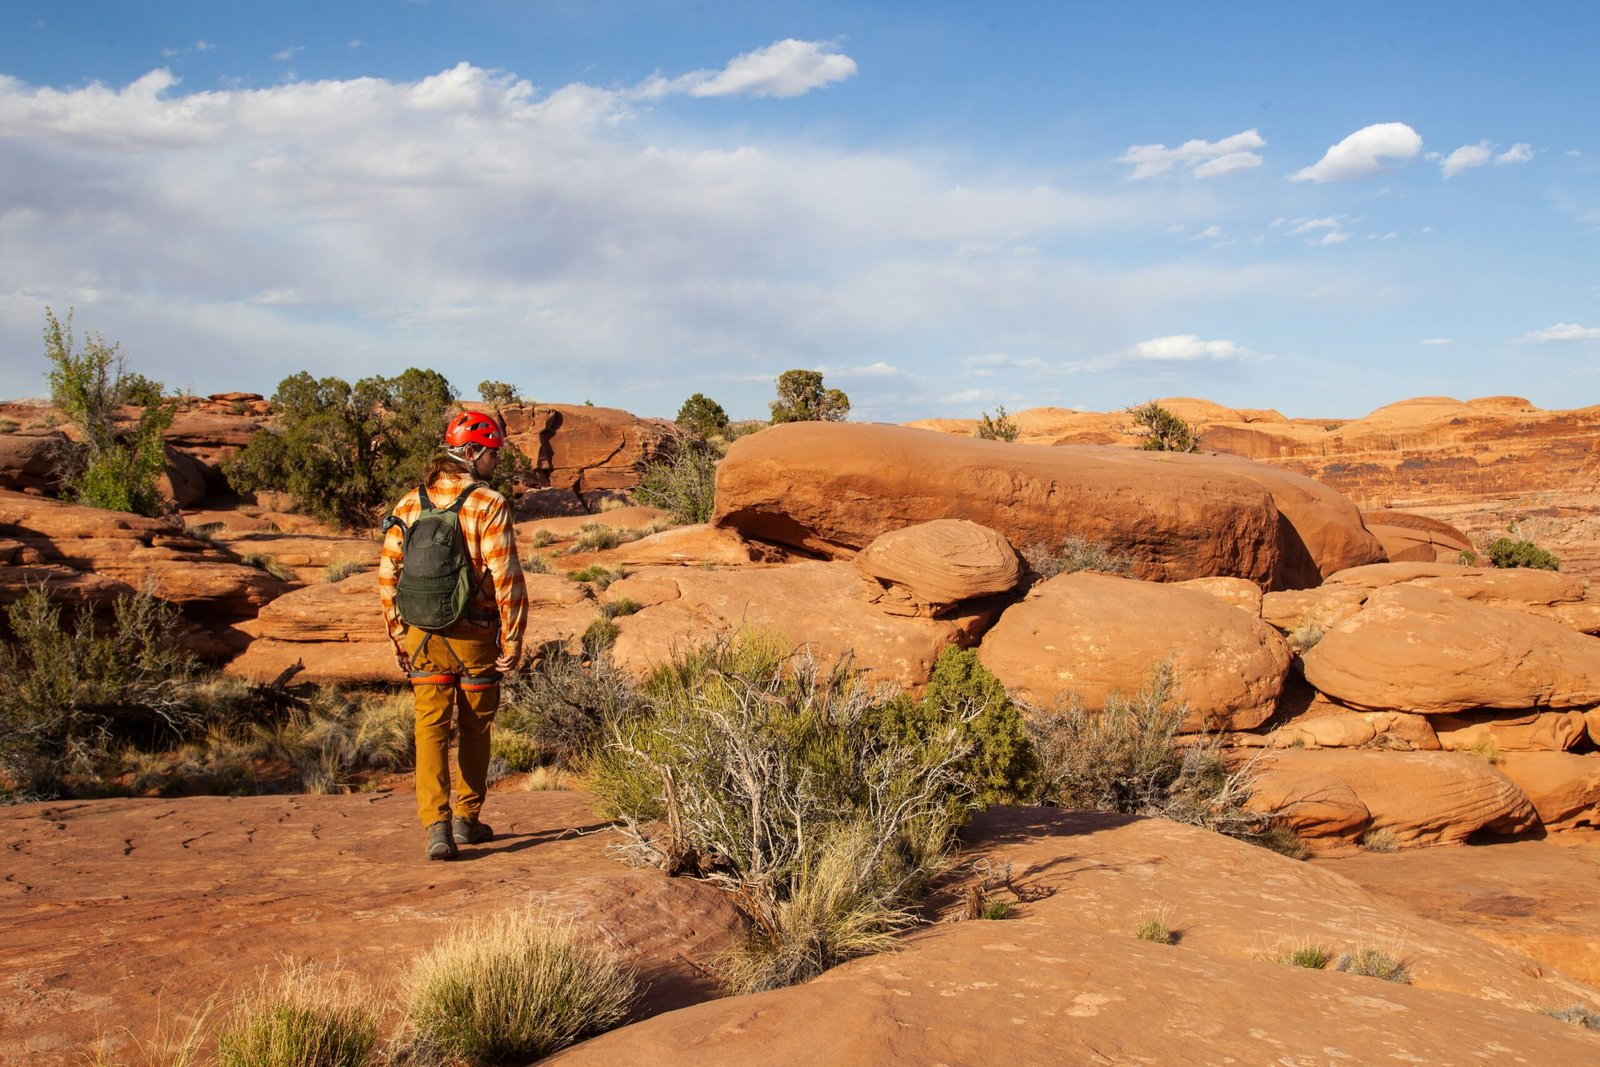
(495, 537)
(389, 566)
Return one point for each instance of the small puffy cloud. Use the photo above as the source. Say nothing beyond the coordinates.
(203, 45)
(1520, 152)
(879, 369)
(1209, 233)
(783, 68)
(1562, 332)
(288, 53)
(1437, 341)
(1182, 348)
(1574, 153)
(1466, 157)
(1205, 159)
(1332, 237)
(1390, 236)
(1364, 153)
(355, 42)
(1307, 225)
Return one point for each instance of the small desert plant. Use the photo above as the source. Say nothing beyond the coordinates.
(542, 538)
(67, 690)
(1075, 554)
(1486, 747)
(601, 634)
(515, 988)
(1000, 428)
(1304, 638)
(562, 704)
(1579, 1014)
(995, 908)
(340, 569)
(205, 531)
(1373, 962)
(681, 480)
(769, 775)
(1162, 430)
(536, 564)
(336, 735)
(546, 779)
(261, 561)
(1155, 928)
(516, 750)
(619, 608)
(597, 576)
(1379, 839)
(1467, 558)
(593, 537)
(1307, 954)
(1515, 551)
(305, 1018)
(497, 394)
(1125, 757)
(9, 425)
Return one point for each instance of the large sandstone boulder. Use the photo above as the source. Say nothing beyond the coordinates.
(1092, 635)
(585, 449)
(1322, 608)
(1564, 788)
(27, 459)
(832, 488)
(1563, 597)
(1548, 731)
(1356, 729)
(201, 578)
(819, 607)
(1432, 653)
(929, 568)
(1423, 798)
(1408, 538)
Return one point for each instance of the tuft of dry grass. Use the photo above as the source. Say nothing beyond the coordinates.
(261, 561)
(1372, 962)
(547, 779)
(306, 1017)
(515, 988)
(1308, 954)
(1155, 928)
(1487, 748)
(340, 569)
(1379, 839)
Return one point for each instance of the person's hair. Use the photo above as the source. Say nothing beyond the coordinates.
(445, 463)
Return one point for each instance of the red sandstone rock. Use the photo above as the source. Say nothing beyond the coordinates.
(1423, 798)
(199, 577)
(27, 459)
(1240, 592)
(1409, 538)
(1564, 788)
(1322, 608)
(1378, 729)
(1550, 731)
(931, 567)
(1094, 634)
(831, 488)
(815, 606)
(699, 544)
(1426, 651)
(587, 449)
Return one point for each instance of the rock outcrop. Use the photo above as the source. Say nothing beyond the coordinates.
(1092, 635)
(833, 488)
(929, 568)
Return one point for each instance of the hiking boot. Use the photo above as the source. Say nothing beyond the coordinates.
(441, 846)
(471, 831)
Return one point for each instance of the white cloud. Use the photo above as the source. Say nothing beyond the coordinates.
(1209, 233)
(1574, 152)
(288, 53)
(1182, 348)
(203, 45)
(1364, 153)
(783, 68)
(1520, 152)
(1334, 237)
(1465, 157)
(879, 369)
(1437, 341)
(1562, 331)
(1205, 159)
(1279, 221)
(355, 42)
(1307, 225)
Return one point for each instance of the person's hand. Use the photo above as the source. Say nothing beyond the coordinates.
(510, 659)
(402, 659)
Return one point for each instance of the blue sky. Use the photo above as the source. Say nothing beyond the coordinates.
(945, 207)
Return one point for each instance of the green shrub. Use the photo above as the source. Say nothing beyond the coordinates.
(1515, 552)
(1309, 955)
(1075, 553)
(8, 425)
(704, 416)
(601, 635)
(542, 538)
(513, 989)
(112, 467)
(1162, 430)
(1126, 757)
(767, 774)
(518, 751)
(302, 1020)
(66, 691)
(536, 564)
(682, 480)
(801, 398)
(594, 537)
(618, 608)
(1374, 963)
(597, 576)
(337, 735)
(1000, 428)
(497, 394)
(344, 453)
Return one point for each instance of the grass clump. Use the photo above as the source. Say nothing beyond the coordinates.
(536, 564)
(1375, 963)
(304, 1019)
(594, 537)
(1304, 638)
(340, 569)
(205, 531)
(1154, 928)
(1075, 553)
(774, 778)
(261, 561)
(515, 988)
(601, 634)
(681, 480)
(1379, 839)
(1126, 757)
(543, 538)
(1578, 1014)
(337, 736)
(1486, 747)
(619, 608)
(1308, 954)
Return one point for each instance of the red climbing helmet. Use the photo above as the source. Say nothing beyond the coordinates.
(473, 428)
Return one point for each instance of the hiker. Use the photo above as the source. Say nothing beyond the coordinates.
(456, 606)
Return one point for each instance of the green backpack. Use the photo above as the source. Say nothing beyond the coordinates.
(436, 582)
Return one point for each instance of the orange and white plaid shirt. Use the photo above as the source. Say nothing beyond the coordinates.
(491, 543)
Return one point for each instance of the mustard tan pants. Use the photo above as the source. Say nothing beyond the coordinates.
(443, 669)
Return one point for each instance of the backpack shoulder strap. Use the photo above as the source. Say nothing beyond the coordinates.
(462, 499)
(423, 498)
